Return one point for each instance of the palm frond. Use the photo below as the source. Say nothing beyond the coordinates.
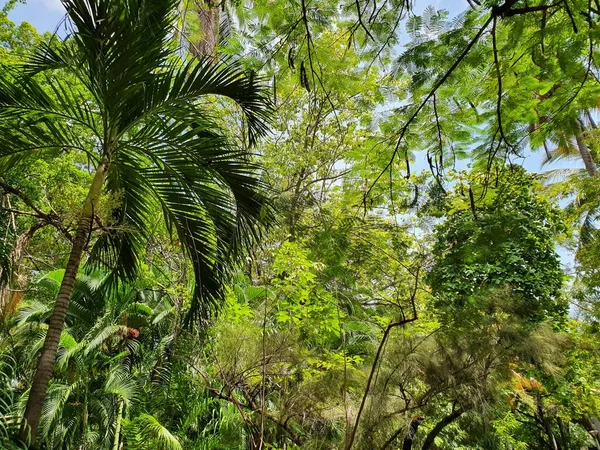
(139, 105)
(68, 348)
(58, 394)
(104, 334)
(32, 312)
(122, 385)
(156, 433)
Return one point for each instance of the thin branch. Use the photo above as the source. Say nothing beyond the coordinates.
(570, 14)
(247, 406)
(440, 168)
(386, 334)
(309, 43)
(437, 85)
(50, 219)
(19, 212)
(520, 11)
(499, 77)
(360, 21)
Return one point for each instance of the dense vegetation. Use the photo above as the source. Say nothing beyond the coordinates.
(307, 224)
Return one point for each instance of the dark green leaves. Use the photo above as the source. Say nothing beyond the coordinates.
(117, 89)
(505, 242)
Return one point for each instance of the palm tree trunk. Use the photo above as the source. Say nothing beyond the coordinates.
(584, 151)
(39, 385)
(118, 426)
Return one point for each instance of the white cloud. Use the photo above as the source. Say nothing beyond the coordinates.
(52, 5)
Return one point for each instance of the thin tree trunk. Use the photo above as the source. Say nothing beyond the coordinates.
(590, 119)
(430, 439)
(412, 432)
(8, 298)
(386, 333)
(209, 17)
(118, 426)
(552, 444)
(584, 151)
(39, 385)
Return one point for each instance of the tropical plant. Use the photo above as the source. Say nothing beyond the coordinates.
(150, 142)
(498, 234)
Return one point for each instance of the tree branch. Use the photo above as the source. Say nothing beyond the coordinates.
(429, 440)
(360, 21)
(50, 219)
(436, 86)
(386, 334)
(520, 11)
(499, 77)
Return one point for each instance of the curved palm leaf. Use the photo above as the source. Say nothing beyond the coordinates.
(147, 432)
(122, 385)
(137, 103)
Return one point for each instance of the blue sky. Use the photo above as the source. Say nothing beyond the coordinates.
(44, 15)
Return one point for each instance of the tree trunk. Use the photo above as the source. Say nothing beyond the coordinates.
(412, 432)
(584, 151)
(590, 119)
(39, 385)
(430, 439)
(118, 425)
(209, 18)
(8, 298)
(552, 443)
(564, 433)
(592, 426)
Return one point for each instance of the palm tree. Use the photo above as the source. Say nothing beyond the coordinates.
(107, 359)
(134, 110)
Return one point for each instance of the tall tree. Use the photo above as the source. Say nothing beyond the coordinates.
(153, 144)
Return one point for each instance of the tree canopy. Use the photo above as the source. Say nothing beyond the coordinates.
(307, 224)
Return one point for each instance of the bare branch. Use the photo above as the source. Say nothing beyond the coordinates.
(386, 334)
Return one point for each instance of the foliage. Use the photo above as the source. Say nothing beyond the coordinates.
(498, 234)
(392, 301)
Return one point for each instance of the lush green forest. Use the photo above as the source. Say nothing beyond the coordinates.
(301, 224)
